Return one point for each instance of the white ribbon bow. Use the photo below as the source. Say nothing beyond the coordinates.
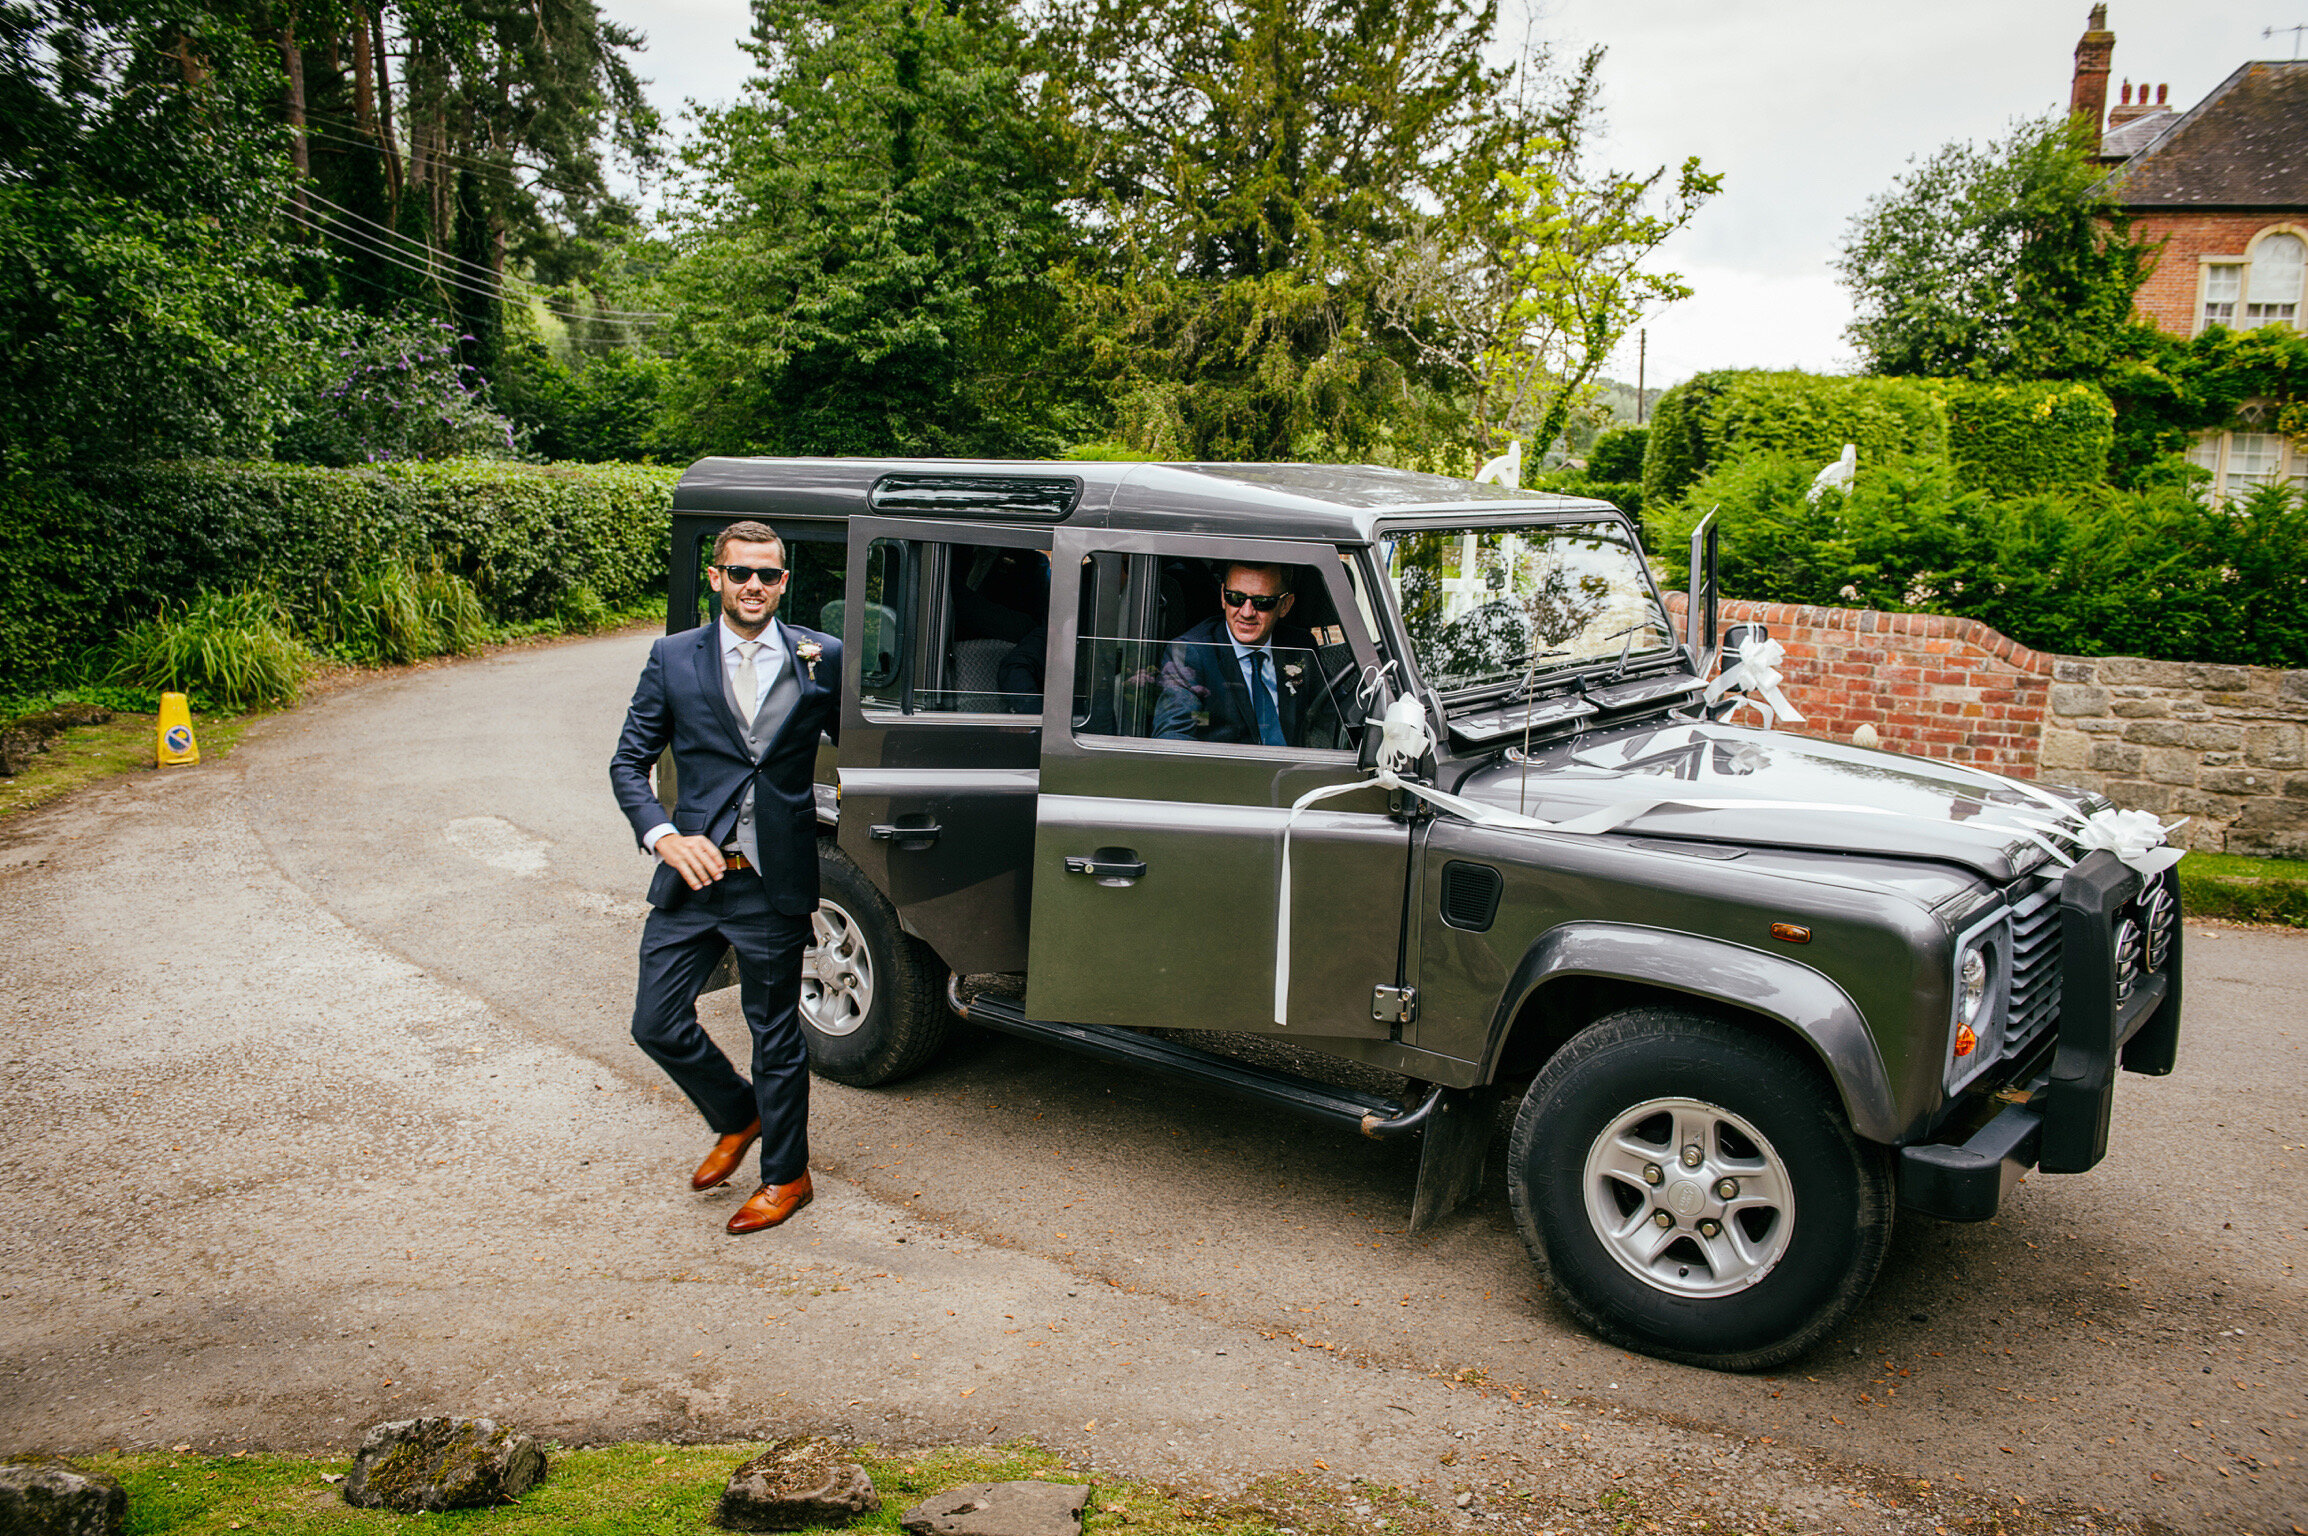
(1756, 676)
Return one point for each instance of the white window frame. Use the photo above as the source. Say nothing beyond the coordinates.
(2243, 263)
(2291, 463)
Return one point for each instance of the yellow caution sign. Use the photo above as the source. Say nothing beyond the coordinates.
(175, 731)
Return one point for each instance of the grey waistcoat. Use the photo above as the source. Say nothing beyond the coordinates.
(761, 730)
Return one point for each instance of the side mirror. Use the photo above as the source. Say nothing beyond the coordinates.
(1739, 636)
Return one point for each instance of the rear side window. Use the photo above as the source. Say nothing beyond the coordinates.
(954, 628)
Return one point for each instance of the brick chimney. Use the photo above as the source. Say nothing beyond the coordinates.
(2094, 50)
(2131, 111)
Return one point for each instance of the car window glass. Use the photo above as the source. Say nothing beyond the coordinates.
(1155, 658)
(954, 628)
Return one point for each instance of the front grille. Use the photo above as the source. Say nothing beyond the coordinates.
(2035, 968)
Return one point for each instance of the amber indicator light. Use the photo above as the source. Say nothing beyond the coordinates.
(1965, 1041)
(1791, 933)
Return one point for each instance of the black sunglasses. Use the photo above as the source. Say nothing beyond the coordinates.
(1263, 602)
(741, 574)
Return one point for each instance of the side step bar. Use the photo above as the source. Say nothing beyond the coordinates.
(1340, 1106)
(1456, 1121)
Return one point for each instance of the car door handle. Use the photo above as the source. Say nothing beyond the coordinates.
(883, 832)
(1105, 869)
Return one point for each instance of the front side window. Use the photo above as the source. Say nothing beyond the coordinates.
(1482, 605)
(1245, 653)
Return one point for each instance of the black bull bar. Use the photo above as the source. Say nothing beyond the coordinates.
(2060, 1123)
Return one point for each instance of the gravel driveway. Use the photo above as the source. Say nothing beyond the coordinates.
(319, 1109)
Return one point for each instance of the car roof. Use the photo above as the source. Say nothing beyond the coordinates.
(1334, 502)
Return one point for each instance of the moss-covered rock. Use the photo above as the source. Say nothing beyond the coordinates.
(412, 1465)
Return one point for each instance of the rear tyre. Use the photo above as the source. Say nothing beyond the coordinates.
(1694, 1192)
(871, 1007)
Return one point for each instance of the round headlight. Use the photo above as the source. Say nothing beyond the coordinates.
(1971, 980)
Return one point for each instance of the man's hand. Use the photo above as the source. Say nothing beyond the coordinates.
(698, 860)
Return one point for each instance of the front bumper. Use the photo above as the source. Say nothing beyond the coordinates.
(2059, 1123)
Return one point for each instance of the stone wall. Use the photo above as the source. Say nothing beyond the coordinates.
(2226, 747)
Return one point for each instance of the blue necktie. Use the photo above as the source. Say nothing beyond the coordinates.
(1262, 702)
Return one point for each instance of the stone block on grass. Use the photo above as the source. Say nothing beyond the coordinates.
(43, 1496)
(796, 1483)
(414, 1465)
(1001, 1509)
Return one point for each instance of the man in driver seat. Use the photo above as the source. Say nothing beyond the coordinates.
(1245, 675)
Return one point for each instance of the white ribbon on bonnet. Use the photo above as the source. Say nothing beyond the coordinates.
(2135, 837)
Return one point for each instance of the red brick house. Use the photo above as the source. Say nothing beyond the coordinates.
(2224, 185)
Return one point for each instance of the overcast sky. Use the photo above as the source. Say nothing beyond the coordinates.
(1807, 108)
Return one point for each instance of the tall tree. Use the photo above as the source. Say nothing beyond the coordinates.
(1252, 166)
(865, 244)
(1521, 296)
(2012, 261)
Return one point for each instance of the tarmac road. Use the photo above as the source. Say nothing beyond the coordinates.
(319, 1109)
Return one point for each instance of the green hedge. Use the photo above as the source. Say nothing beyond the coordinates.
(1714, 418)
(81, 561)
(2091, 571)
(1617, 455)
(2038, 436)
(2006, 438)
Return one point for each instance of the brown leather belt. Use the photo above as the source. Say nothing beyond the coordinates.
(735, 861)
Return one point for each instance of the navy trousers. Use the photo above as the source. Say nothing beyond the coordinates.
(679, 947)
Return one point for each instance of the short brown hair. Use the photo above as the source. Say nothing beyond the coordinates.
(748, 532)
(1282, 573)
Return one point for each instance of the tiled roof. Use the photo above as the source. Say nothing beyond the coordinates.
(2243, 146)
(2134, 136)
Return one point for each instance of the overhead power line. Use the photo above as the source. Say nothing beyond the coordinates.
(452, 278)
(418, 248)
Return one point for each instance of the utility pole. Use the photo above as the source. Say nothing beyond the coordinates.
(1642, 350)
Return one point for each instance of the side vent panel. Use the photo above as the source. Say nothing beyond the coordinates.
(1470, 895)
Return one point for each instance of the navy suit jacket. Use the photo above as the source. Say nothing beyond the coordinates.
(1205, 697)
(680, 702)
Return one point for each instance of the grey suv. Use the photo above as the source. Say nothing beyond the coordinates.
(1752, 990)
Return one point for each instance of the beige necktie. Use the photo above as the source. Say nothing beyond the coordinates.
(748, 685)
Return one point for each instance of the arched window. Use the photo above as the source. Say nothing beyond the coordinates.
(2272, 293)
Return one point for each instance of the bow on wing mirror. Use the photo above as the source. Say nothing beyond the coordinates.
(1739, 636)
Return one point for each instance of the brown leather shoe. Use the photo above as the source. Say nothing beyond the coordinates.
(722, 1161)
(771, 1204)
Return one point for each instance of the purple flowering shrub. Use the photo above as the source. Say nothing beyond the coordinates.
(395, 390)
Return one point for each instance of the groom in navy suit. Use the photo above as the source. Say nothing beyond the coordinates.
(1244, 676)
(741, 702)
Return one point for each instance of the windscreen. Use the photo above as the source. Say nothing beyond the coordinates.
(1485, 604)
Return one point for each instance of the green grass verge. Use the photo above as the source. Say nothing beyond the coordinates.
(619, 1490)
(124, 744)
(2245, 890)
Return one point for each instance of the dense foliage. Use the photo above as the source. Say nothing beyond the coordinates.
(2083, 571)
(2011, 261)
(2019, 437)
(1714, 418)
(82, 558)
(870, 232)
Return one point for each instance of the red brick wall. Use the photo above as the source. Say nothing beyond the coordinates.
(2168, 297)
(1928, 684)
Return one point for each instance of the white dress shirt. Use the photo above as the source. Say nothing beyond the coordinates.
(766, 663)
(1242, 656)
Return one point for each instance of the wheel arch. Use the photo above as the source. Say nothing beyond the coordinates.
(1577, 972)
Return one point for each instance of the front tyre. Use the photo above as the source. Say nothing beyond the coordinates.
(871, 1009)
(1694, 1192)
